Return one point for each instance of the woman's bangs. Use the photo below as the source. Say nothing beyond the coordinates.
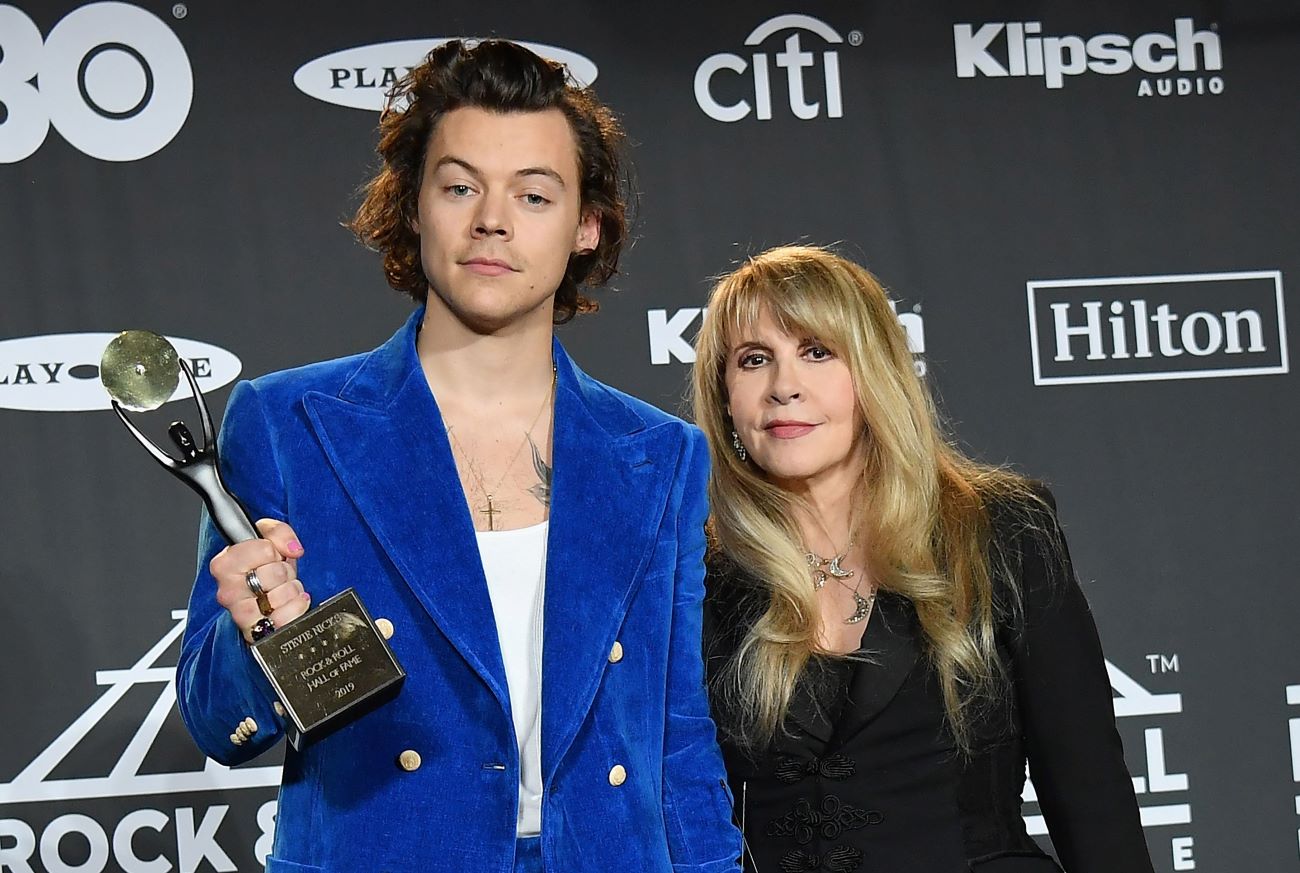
(794, 304)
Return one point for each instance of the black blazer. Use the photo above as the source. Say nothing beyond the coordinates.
(866, 776)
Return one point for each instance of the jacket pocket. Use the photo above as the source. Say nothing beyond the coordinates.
(278, 865)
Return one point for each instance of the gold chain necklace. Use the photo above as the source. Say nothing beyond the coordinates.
(490, 510)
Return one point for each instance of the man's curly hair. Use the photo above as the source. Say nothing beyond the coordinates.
(499, 76)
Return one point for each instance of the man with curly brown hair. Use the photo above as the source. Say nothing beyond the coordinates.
(532, 538)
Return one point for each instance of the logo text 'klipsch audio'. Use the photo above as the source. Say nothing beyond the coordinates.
(1175, 63)
(668, 342)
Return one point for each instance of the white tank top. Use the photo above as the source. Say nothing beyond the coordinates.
(514, 562)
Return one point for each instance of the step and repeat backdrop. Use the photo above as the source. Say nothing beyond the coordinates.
(1084, 210)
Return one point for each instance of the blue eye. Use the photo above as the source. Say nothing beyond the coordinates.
(459, 190)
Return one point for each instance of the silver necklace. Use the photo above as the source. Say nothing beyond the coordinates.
(861, 605)
(824, 568)
(829, 568)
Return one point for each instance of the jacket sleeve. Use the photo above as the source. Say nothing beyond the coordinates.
(696, 799)
(1076, 759)
(218, 683)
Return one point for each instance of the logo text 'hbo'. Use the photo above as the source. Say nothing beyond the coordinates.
(1143, 328)
(753, 75)
(112, 78)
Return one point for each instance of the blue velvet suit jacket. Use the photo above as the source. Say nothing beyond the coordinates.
(354, 454)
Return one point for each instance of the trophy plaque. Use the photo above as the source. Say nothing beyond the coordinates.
(329, 665)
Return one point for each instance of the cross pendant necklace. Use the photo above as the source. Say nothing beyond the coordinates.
(491, 512)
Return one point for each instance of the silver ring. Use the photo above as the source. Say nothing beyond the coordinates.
(254, 584)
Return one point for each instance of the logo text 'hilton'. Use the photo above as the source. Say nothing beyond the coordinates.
(1141, 328)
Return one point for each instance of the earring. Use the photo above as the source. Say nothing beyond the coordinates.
(738, 446)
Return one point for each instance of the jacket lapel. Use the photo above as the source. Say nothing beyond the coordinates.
(889, 649)
(386, 441)
(890, 646)
(384, 437)
(609, 489)
(808, 709)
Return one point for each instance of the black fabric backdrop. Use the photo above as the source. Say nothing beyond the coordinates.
(202, 199)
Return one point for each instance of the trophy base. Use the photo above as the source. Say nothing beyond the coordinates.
(328, 667)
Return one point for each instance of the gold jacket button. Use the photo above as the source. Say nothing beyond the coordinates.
(409, 760)
(279, 708)
(243, 731)
(385, 628)
(616, 652)
(617, 775)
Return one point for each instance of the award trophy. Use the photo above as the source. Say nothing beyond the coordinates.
(327, 666)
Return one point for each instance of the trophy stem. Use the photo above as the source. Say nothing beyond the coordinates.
(329, 665)
(227, 513)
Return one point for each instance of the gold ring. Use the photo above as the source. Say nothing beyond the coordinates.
(255, 586)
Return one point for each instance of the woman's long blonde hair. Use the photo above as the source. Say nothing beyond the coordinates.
(922, 507)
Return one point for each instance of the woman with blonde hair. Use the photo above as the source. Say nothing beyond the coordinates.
(892, 629)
